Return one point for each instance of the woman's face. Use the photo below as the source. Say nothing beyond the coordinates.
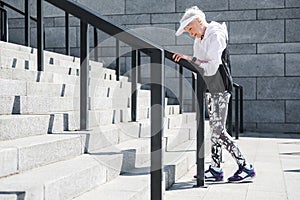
(195, 28)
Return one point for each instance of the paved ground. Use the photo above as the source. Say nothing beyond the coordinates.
(276, 158)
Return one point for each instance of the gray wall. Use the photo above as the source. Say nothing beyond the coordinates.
(263, 36)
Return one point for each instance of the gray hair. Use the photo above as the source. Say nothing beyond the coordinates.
(194, 11)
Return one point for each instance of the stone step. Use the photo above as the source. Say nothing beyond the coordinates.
(66, 119)
(175, 120)
(142, 113)
(37, 104)
(28, 54)
(176, 163)
(16, 48)
(23, 88)
(109, 103)
(114, 90)
(115, 115)
(112, 162)
(135, 152)
(134, 130)
(115, 134)
(51, 90)
(136, 183)
(69, 120)
(12, 87)
(123, 187)
(18, 60)
(193, 129)
(171, 122)
(28, 63)
(143, 101)
(20, 126)
(103, 136)
(190, 116)
(27, 75)
(26, 59)
(144, 93)
(98, 137)
(183, 157)
(59, 181)
(172, 110)
(9, 161)
(175, 137)
(37, 151)
(143, 110)
(51, 77)
(48, 105)
(97, 118)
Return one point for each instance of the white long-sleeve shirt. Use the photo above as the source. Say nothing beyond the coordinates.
(210, 48)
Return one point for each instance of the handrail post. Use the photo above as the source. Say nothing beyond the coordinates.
(96, 45)
(134, 58)
(200, 130)
(1, 22)
(3, 25)
(241, 110)
(139, 67)
(157, 113)
(6, 27)
(27, 23)
(40, 35)
(236, 128)
(117, 59)
(194, 92)
(229, 123)
(84, 76)
(180, 89)
(67, 32)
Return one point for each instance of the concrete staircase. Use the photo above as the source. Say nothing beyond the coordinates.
(43, 156)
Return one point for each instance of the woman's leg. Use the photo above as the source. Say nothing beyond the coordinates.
(217, 105)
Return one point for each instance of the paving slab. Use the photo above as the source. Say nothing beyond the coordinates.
(276, 160)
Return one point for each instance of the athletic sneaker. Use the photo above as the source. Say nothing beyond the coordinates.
(213, 175)
(242, 174)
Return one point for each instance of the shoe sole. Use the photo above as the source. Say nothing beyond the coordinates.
(243, 180)
(211, 179)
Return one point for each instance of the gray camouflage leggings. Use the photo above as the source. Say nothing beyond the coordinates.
(217, 105)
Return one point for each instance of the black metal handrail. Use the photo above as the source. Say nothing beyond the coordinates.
(239, 119)
(3, 24)
(200, 113)
(17, 10)
(157, 55)
(239, 112)
(200, 109)
(27, 18)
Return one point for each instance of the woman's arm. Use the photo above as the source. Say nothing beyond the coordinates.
(177, 57)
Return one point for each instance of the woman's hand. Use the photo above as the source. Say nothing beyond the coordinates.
(177, 57)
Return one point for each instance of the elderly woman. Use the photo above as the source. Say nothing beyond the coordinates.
(210, 54)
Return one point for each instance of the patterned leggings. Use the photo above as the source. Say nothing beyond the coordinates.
(217, 105)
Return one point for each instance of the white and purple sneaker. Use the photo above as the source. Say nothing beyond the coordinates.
(242, 174)
(213, 175)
